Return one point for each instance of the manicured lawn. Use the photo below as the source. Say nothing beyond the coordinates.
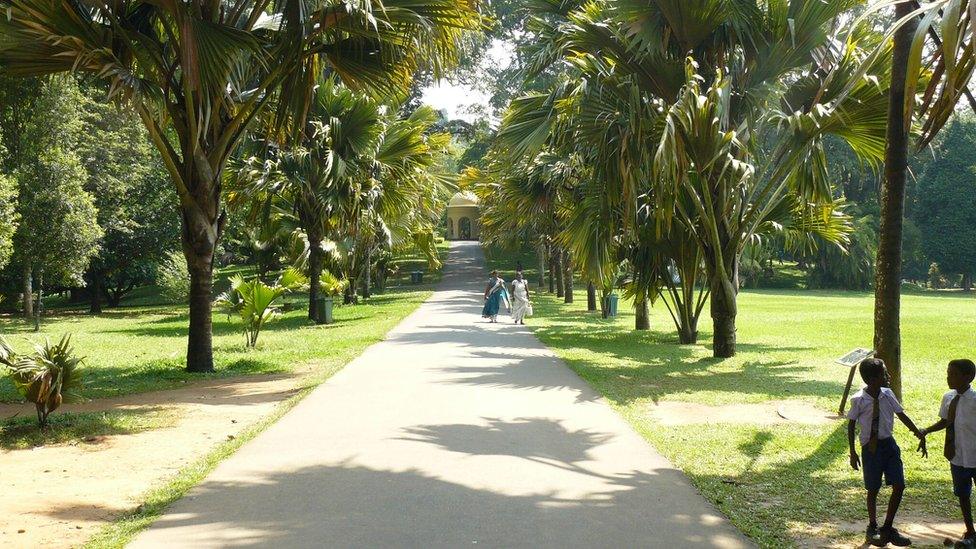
(138, 349)
(778, 483)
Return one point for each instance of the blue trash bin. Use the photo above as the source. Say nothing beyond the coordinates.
(610, 304)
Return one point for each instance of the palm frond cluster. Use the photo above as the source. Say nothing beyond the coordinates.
(360, 182)
(681, 133)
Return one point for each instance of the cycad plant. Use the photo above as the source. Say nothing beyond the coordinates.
(256, 302)
(47, 377)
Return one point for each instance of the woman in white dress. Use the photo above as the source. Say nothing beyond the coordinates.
(520, 298)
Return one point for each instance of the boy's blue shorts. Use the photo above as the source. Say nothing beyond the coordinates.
(962, 480)
(885, 461)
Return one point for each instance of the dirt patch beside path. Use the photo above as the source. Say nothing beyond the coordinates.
(59, 495)
(765, 413)
(923, 531)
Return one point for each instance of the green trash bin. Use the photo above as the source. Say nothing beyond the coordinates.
(610, 304)
(323, 311)
(417, 277)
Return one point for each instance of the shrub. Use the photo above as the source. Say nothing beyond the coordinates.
(173, 277)
(254, 301)
(331, 285)
(46, 377)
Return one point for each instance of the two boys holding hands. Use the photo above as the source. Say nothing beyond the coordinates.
(874, 408)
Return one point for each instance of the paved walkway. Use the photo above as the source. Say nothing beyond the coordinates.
(450, 433)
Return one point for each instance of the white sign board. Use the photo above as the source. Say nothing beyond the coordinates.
(855, 357)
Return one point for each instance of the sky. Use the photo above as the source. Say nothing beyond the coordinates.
(455, 98)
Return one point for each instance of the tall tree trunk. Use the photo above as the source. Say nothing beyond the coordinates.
(367, 273)
(95, 288)
(967, 282)
(887, 287)
(200, 231)
(724, 309)
(642, 316)
(567, 276)
(552, 271)
(28, 297)
(541, 252)
(590, 296)
(381, 276)
(557, 264)
(314, 275)
(39, 303)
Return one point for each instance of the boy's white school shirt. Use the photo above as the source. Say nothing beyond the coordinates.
(862, 408)
(965, 426)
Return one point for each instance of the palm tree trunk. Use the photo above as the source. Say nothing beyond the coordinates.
(552, 274)
(200, 231)
(887, 288)
(557, 263)
(688, 331)
(590, 297)
(967, 282)
(642, 320)
(723, 308)
(28, 298)
(541, 252)
(314, 276)
(567, 277)
(367, 273)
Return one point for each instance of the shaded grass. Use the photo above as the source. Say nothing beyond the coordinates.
(779, 483)
(23, 432)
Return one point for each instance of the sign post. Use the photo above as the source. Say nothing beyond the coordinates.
(851, 360)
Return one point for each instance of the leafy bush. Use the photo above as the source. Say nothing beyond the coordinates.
(850, 268)
(254, 301)
(937, 281)
(173, 277)
(45, 377)
(331, 285)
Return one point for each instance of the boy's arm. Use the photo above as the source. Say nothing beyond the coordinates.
(910, 424)
(918, 433)
(937, 426)
(855, 461)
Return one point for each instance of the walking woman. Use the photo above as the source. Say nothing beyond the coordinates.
(520, 298)
(493, 296)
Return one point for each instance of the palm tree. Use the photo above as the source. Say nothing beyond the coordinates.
(728, 109)
(944, 63)
(359, 177)
(199, 72)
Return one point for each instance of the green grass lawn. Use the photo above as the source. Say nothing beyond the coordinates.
(137, 349)
(781, 482)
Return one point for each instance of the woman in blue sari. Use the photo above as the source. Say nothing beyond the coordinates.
(493, 297)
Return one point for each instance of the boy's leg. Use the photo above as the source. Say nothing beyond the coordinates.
(872, 508)
(894, 473)
(896, 493)
(962, 487)
(967, 513)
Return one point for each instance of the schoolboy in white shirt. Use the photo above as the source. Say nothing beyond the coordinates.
(874, 408)
(958, 418)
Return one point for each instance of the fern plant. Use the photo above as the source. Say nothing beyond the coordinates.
(47, 377)
(256, 302)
